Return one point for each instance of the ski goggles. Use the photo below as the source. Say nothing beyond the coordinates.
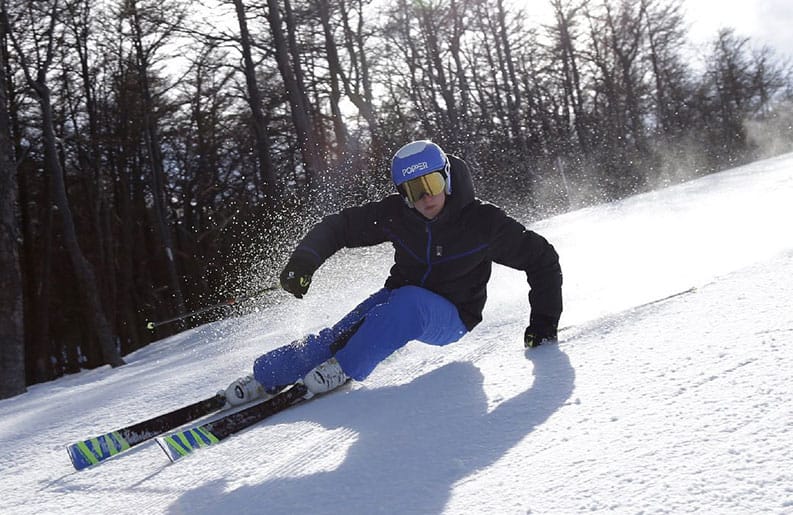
(430, 184)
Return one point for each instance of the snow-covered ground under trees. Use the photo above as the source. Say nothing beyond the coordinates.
(674, 406)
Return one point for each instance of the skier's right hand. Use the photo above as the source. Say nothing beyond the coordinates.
(296, 277)
(541, 330)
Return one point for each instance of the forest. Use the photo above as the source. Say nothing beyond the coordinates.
(157, 157)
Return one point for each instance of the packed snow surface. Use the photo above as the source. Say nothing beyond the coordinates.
(645, 406)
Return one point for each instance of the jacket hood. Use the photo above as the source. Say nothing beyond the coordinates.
(462, 186)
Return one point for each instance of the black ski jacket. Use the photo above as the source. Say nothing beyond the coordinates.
(451, 255)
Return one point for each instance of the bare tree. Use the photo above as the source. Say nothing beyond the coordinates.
(510, 78)
(291, 73)
(401, 36)
(623, 38)
(358, 82)
(259, 123)
(563, 31)
(164, 18)
(336, 76)
(665, 37)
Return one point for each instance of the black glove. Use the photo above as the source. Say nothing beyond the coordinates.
(296, 277)
(541, 330)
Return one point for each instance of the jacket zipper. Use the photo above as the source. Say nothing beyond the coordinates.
(429, 253)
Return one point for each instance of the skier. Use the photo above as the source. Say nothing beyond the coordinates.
(445, 241)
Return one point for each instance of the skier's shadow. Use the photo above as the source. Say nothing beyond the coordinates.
(414, 442)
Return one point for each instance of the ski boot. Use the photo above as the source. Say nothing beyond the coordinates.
(244, 390)
(325, 377)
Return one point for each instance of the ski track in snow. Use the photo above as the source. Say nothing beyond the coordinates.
(644, 407)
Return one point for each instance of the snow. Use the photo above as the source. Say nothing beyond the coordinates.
(680, 405)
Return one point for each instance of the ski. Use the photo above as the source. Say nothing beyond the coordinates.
(95, 450)
(182, 443)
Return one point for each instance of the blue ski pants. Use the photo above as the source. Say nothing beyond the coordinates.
(377, 327)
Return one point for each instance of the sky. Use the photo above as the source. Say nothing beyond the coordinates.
(645, 406)
(766, 21)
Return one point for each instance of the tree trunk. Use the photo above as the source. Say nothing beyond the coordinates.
(336, 73)
(510, 80)
(360, 93)
(298, 103)
(456, 51)
(41, 352)
(86, 278)
(156, 161)
(266, 174)
(12, 337)
(435, 65)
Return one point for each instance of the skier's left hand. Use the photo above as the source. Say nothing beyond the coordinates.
(541, 331)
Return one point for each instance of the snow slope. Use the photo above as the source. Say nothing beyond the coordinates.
(680, 405)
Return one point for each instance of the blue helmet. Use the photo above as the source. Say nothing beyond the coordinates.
(417, 159)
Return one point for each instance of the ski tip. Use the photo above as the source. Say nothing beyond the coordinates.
(79, 461)
(95, 450)
(169, 451)
(178, 445)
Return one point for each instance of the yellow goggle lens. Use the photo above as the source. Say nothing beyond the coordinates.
(431, 184)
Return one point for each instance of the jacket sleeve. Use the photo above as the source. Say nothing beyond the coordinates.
(515, 246)
(352, 227)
